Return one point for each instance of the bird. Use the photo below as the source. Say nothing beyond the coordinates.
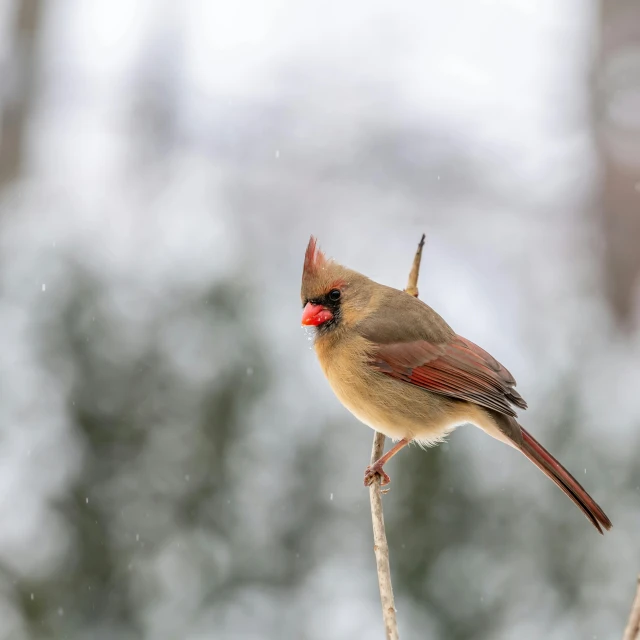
(399, 368)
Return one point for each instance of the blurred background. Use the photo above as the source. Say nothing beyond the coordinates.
(173, 464)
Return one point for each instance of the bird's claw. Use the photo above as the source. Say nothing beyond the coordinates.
(374, 470)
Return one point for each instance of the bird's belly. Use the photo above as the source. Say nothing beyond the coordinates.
(397, 409)
(391, 429)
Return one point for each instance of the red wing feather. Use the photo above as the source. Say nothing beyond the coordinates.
(459, 369)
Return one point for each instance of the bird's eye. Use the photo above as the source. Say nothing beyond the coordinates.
(334, 295)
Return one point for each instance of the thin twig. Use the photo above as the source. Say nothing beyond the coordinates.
(412, 285)
(632, 631)
(380, 546)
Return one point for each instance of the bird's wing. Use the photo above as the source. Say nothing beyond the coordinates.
(457, 368)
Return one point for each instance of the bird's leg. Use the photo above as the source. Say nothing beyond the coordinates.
(377, 467)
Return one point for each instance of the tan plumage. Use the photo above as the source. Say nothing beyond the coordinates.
(401, 369)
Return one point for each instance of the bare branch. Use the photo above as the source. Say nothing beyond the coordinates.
(412, 284)
(632, 631)
(380, 546)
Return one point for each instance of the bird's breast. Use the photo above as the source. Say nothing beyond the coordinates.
(395, 408)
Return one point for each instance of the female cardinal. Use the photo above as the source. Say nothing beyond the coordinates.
(402, 370)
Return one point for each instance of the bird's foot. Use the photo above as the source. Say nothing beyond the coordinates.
(373, 470)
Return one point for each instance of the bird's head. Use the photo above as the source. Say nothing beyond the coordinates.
(332, 295)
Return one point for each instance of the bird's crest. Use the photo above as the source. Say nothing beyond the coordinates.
(314, 259)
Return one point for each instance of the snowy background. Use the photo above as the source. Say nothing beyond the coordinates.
(173, 464)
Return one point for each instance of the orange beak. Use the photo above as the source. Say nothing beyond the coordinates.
(315, 314)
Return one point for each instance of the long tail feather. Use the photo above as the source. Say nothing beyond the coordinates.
(552, 468)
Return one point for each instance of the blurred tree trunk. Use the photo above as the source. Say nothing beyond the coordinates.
(18, 88)
(617, 96)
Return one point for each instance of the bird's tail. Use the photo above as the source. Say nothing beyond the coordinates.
(554, 470)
